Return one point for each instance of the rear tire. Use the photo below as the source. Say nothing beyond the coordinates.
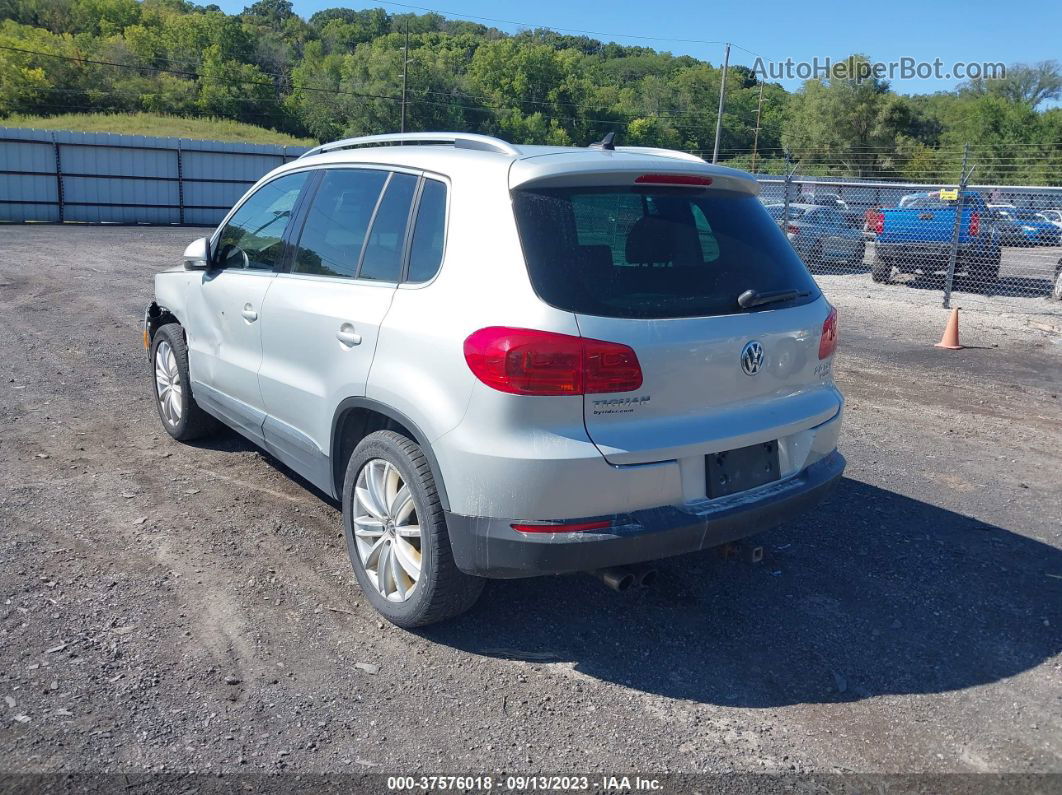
(985, 272)
(880, 270)
(401, 555)
(816, 258)
(180, 414)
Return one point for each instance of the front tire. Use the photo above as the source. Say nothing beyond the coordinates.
(397, 537)
(180, 414)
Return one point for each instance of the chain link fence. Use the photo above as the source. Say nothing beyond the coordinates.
(996, 246)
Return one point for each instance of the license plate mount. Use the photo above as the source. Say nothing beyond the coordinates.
(741, 469)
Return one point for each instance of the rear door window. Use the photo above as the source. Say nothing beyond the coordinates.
(653, 253)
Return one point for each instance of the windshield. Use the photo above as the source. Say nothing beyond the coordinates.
(654, 253)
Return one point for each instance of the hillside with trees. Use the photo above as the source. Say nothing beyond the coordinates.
(340, 73)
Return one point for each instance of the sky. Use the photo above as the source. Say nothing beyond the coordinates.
(886, 30)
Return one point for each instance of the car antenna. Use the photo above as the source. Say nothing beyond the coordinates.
(606, 142)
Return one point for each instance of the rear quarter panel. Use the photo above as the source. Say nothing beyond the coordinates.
(419, 367)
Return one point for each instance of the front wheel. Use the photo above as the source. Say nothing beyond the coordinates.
(180, 414)
(397, 537)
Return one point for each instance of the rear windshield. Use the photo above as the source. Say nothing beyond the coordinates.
(656, 253)
(794, 212)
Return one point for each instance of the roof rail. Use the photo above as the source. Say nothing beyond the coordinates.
(653, 150)
(460, 140)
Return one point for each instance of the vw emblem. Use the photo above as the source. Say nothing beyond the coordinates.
(752, 357)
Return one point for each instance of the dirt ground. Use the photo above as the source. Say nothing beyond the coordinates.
(191, 608)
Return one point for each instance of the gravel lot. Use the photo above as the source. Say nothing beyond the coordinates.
(172, 607)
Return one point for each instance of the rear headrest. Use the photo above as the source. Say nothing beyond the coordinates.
(657, 240)
(649, 241)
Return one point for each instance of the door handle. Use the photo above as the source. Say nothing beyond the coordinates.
(249, 314)
(347, 336)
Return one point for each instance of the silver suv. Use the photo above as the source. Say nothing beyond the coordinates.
(508, 361)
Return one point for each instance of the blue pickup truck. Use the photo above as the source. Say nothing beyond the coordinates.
(916, 238)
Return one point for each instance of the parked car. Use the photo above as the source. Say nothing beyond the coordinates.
(1026, 227)
(1054, 217)
(821, 236)
(917, 238)
(852, 218)
(508, 361)
(823, 200)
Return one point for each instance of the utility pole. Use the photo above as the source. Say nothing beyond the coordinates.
(756, 135)
(405, 77)
(722, 99)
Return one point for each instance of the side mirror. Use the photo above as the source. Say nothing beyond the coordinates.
(197, 255)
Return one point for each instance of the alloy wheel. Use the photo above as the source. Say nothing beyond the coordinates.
(387, 530)
(168, 383)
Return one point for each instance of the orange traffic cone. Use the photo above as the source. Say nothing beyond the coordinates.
(950, 340)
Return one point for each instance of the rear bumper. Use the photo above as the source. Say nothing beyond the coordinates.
(491, 548)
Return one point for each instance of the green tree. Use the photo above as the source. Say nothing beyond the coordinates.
(844, 121)
(1031, 84)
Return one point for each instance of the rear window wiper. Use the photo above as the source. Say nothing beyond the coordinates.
(751, 298)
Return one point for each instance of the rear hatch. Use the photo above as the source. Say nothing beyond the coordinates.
(658, 264)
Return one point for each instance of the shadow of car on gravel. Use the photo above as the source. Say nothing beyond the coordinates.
(871, 594)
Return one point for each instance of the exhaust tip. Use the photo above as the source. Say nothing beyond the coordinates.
(647, 577)
(618, 579)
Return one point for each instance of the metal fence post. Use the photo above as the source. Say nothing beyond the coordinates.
(953, 256)
(784, 223)
(180, 186)
(58, 177)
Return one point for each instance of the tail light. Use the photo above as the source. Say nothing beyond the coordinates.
(565, 527)
(877, 224)
(528, 362)
(828, 340)
(793, 230)
(975, 224)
